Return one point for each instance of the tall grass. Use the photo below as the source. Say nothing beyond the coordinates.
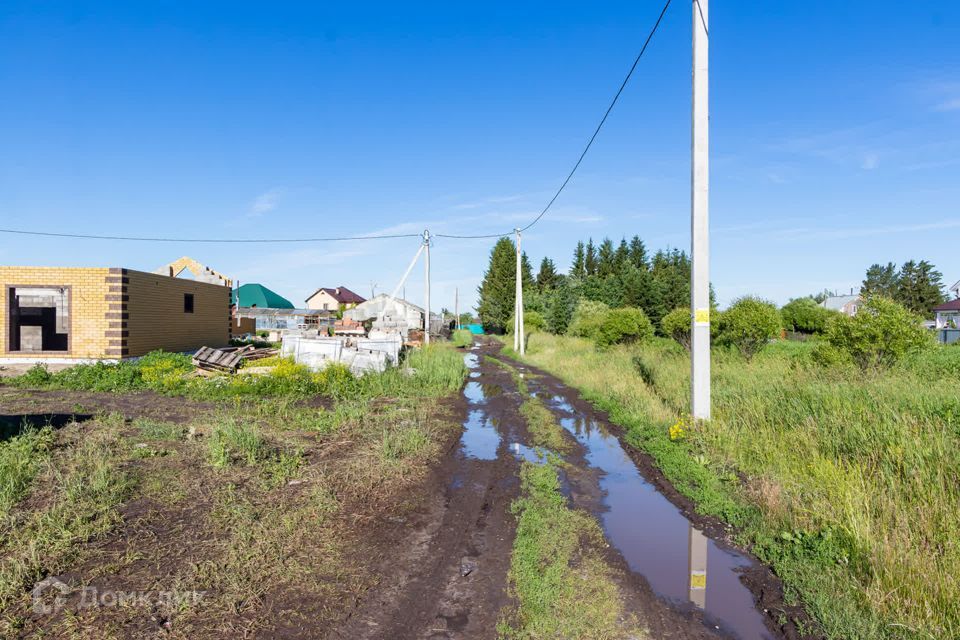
(848, 484)
(429, 372)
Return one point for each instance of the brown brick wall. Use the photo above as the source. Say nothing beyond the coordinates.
(155, 318)
(88, 292)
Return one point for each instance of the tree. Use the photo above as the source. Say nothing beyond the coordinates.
(627, 324)
(498, 289)
(547, 277)
(559, 308)
(532, 322)
(881, 334)
(749, 324)
(621, 257)
(804, 315)
(579, 267)
(638, 253)
(676, 325)
(590, 259)
(880, 281)
(587, 319)
(606, 265)
(919, 287)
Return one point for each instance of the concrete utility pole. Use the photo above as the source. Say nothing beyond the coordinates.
(518, 342)
(426, 265)
(456, 306)
(700, 219)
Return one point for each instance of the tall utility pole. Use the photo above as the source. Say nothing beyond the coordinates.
(426, 280)
(700, 219)
(456, 306)
(518, 342)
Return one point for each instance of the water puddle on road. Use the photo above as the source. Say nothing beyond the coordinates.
(681, 564)
(480, 439)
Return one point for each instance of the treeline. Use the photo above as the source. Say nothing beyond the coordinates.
(622, 275)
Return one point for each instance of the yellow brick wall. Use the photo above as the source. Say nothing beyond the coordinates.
(156, 320)
(88, 306)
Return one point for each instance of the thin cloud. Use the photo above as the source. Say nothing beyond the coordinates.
(266, 202)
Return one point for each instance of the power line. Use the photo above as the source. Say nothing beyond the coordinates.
(206, 240)
(542, 213)
(596, 132)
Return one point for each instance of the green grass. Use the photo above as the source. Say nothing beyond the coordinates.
(847, 484)
(437, 369)
(86, 484)
(20, 459)
(544, 429)
(462, 338)
(562, 586)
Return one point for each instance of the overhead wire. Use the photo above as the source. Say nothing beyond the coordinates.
(537, 219)
(590, 142)
(208, 240)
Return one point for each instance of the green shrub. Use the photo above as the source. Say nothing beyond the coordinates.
(462, 338)
(587, 319)
(626, 324)
(533, 321)
(749, 324)
(804, 315)
(676, 325)
(882, 334)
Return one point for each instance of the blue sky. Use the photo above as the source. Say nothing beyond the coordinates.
(835, 135)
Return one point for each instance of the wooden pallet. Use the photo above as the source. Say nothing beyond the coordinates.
(228, 359)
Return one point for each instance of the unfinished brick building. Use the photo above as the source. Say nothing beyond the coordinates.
(60, 314)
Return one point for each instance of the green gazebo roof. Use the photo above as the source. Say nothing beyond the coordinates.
(257, 295)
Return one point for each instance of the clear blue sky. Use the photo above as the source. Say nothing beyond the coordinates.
(835, 135)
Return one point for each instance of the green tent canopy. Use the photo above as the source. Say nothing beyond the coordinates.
(257, 295)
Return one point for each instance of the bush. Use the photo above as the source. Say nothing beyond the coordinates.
(627, 324)
(462, 338)
(749, 324)
(587, 319)
(882, 334)
(804, 315)
(532, 322)
(676, 325)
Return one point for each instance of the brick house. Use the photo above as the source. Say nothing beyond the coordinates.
(333, 299)
(59, 314)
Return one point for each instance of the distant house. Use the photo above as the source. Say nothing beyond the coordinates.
(333, 299)
(847, 305)
(258, 296)
(948, 313)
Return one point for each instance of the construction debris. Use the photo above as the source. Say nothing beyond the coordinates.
(228, 359)
(362, 355)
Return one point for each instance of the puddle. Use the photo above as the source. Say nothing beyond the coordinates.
(480, 439)
(681, 564)
(529, 454)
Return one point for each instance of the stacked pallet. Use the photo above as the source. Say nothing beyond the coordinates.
(228, 359)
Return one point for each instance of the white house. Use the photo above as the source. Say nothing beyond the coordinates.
(848, 305)
(328, 299)
(948, 313)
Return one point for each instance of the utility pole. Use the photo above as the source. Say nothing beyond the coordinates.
(456, 306)
(518, 341)
(700, 218)
(426, 269)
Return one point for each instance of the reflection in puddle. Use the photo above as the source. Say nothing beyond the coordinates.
(529, 454)
(480, 439)
(658, 542)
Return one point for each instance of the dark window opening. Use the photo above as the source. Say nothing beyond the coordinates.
(38, 319)
(188, 303)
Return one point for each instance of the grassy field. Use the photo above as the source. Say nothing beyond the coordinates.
(265, 494)
(846, 483)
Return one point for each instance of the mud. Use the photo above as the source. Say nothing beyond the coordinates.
(653, 528)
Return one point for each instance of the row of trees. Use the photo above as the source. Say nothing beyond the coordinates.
(918, 286)
(618, 276)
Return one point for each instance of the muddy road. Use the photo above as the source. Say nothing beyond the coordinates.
(422, 555)
(448, 577)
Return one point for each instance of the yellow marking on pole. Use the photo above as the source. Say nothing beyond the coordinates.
(702, 316)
